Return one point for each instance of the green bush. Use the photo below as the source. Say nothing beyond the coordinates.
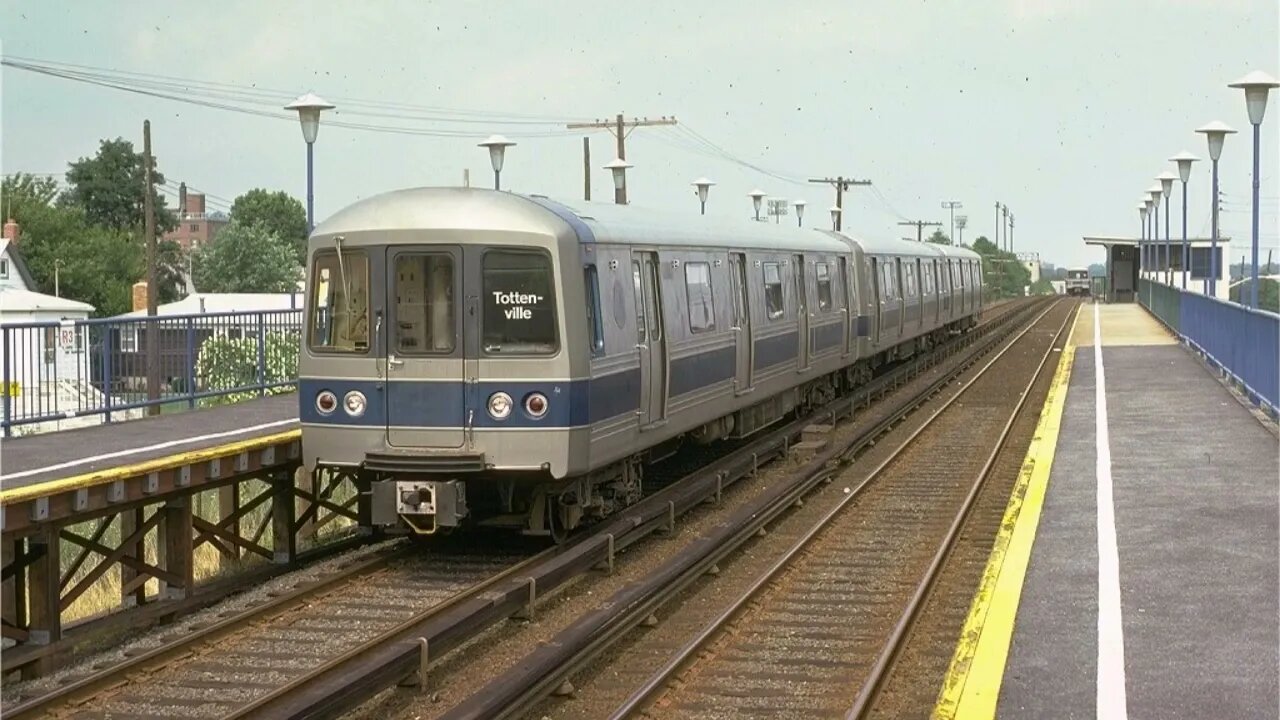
(225, 363)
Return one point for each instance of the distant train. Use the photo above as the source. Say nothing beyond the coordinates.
(1078, 282)
(489, 358)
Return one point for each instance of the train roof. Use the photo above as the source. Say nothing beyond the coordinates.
(484, 209)
(629, 224)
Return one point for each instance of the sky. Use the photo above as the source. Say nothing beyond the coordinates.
(1062, 110)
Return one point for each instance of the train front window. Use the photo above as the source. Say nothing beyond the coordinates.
(340, 302)
(519, 303)
(425, 317)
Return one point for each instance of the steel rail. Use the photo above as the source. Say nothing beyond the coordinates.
(577, 644)
(349, 680)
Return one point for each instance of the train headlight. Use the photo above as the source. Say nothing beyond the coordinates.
(326, 402)
(499, 405)
(536, 405)
(354, 402)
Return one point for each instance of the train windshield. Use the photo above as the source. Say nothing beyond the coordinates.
(1077, 274)
(340, 302)
(519, 303)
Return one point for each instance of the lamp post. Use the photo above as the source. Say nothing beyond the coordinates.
(835, 216)
(704, 187)
(309, 107)
(1153, 250)
(497, 145)
(1142, 240)
(799, 206)
(1256, 85)
(1155, 192)
(757, 196)
(1184, 160)
(1216, 133)
(619, 168)
(1166, 179)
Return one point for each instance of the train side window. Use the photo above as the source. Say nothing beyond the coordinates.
(639, 283)
(702, 311)
(909, 279)
(823, 274)
(591, 286)
(772, 291)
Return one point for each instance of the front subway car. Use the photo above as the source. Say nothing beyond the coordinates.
(437, 363)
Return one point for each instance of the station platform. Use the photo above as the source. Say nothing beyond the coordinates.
(1137, 572)
(33, 460)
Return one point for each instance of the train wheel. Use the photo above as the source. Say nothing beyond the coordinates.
(555, 520)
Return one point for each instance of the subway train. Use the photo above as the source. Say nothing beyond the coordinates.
(485, 358)
(1078, 284)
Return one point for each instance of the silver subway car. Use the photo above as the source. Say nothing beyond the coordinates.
(492, 358)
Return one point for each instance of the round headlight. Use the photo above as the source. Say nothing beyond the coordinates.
(354, 402)
(499, 405)
(535, 404)
(326, 402)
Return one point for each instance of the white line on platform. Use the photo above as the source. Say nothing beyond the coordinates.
(148, 448)
(1111, 702)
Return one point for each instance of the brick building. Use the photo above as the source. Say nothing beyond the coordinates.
(195, 225)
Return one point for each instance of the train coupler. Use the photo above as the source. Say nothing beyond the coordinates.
(425, 506)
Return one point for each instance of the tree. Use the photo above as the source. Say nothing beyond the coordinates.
(938, 238)
(276, 212)
(1042, 287)
(1268, 294)
(1005, 275)
(109, 189)
(246, 258)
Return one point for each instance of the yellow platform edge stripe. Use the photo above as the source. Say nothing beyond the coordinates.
(971, 688)
(122, 472)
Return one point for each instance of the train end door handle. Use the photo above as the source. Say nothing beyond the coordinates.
(393, 362)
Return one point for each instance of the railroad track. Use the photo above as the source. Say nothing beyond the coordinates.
(329, 644)
(788, 645)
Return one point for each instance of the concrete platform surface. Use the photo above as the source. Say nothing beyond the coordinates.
(35, 459)
(1153, 583)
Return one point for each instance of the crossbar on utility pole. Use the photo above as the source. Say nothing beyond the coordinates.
(841, 184)
(621, 128)
(920, 224)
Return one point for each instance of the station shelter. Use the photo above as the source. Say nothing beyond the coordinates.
(1164, 264)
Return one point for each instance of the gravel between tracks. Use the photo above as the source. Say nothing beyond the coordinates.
(12, 693)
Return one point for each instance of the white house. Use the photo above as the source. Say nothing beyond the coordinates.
(47, 364)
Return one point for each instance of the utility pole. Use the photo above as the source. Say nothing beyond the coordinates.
(920, 227)
(1005, 211)
(586, 169)
(1011, 232)
(621, 127)
(952, 205)
(996, 228)
(149, 231)
(841, 184)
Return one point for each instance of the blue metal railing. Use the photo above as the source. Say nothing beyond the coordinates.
(55, 371)
(1242, 342)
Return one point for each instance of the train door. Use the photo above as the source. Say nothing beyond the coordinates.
(651, 338)
(741, 322)
(802, 313)
(850, 332)
(944, 289)
(877, 301)
(902, 296)
(425, 346)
